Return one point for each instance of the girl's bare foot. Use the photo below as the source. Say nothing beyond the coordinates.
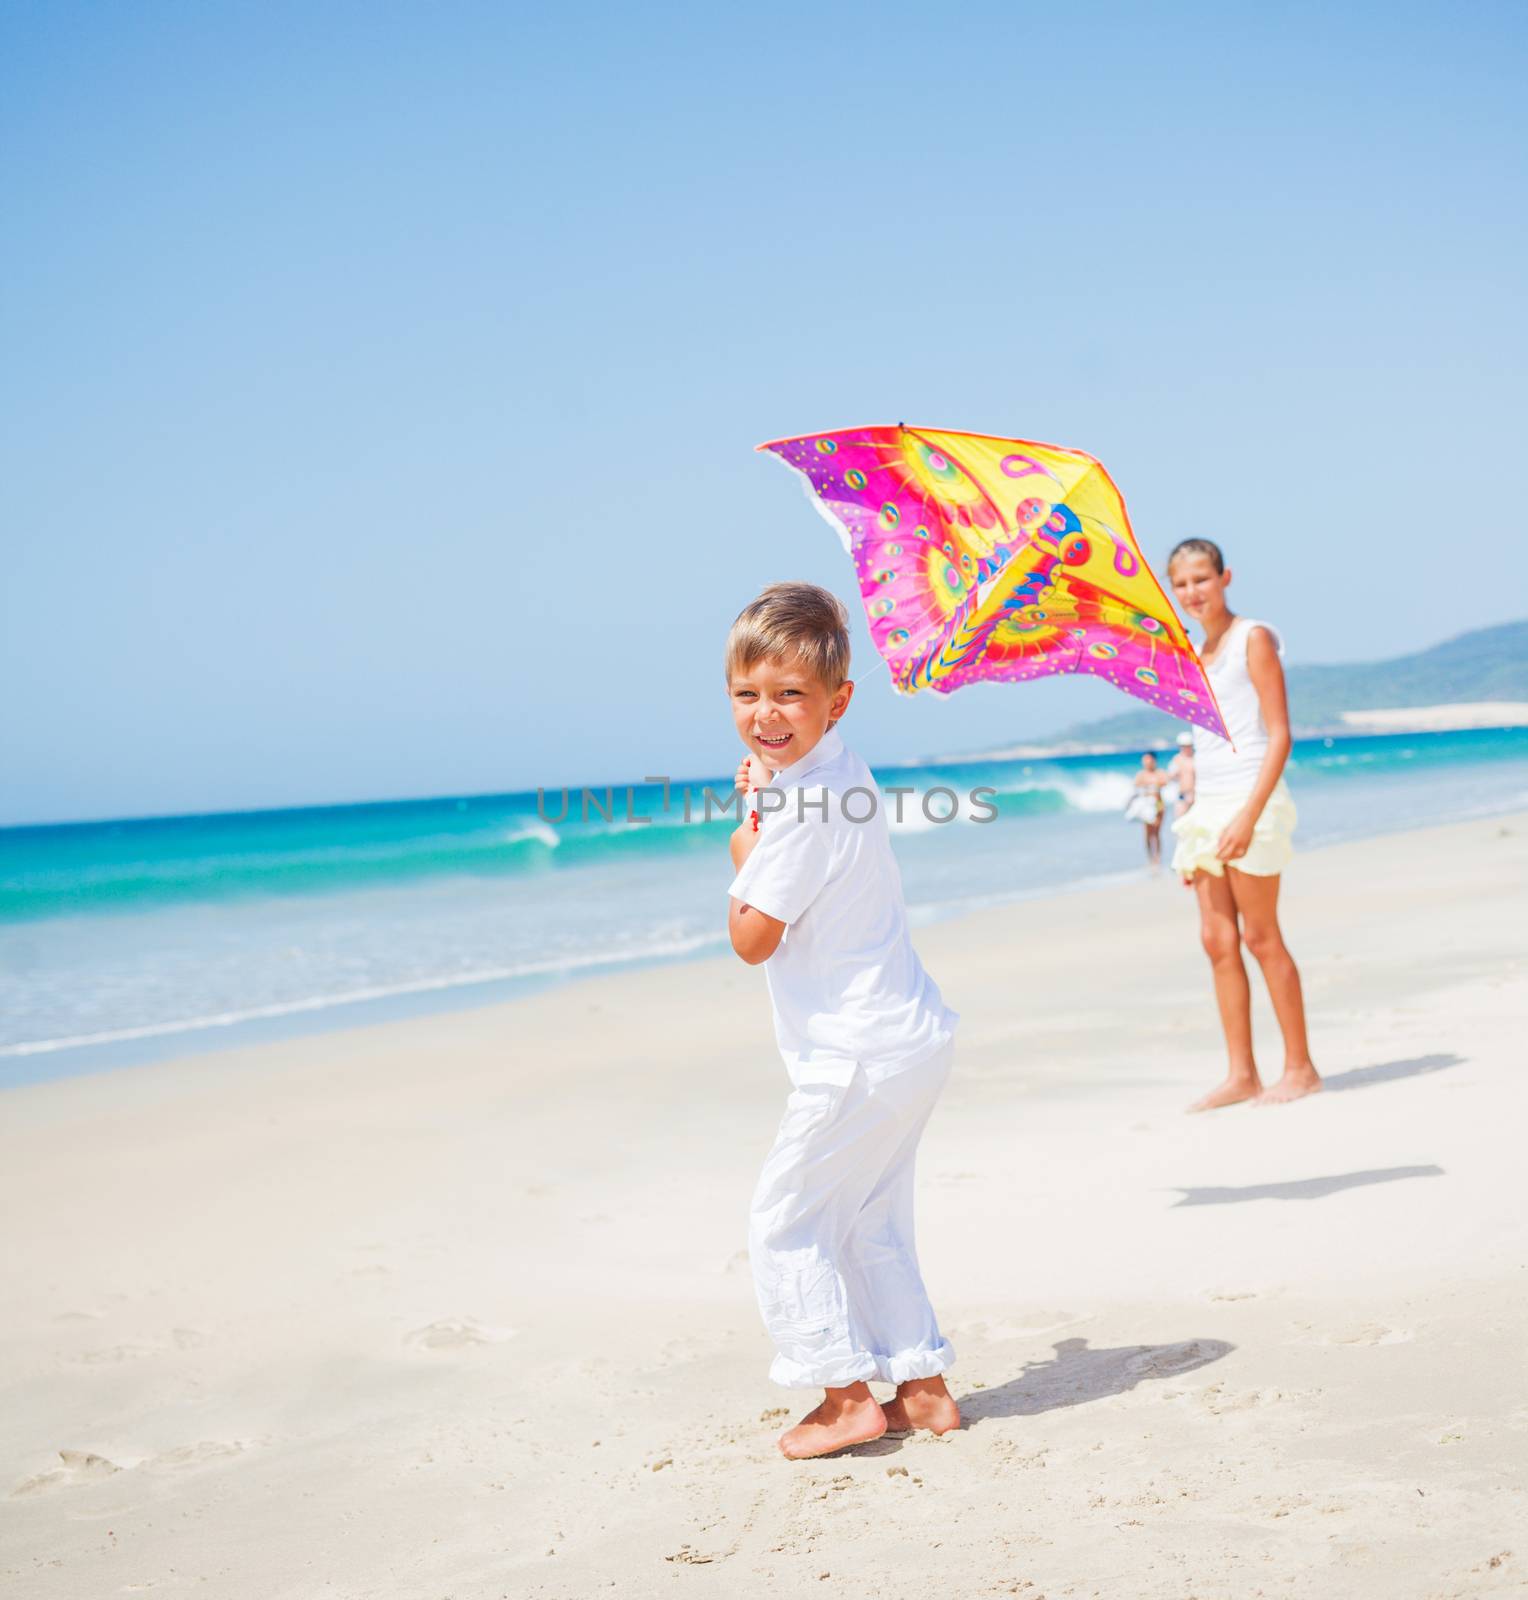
(922, 1403)
(1296, 1083)
(1236, 1088)
(845, 1417)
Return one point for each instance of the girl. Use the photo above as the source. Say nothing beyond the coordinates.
(1234, 841)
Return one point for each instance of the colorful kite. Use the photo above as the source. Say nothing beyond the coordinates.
(983, 559)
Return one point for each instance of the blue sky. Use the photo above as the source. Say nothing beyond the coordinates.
(380, 382)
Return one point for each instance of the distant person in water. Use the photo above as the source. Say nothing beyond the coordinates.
(1180, 777)
(1147, 806)
(1234, 840)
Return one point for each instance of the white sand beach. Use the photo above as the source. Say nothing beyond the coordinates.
(1440, 719)
(457, 1307)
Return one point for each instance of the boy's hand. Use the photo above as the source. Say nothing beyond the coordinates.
(752, 774)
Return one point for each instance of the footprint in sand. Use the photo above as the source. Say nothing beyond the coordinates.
(1167, 1361)
(455, 1333)
(1024, 1326)
(1366, 1333)
(112, 1354)
(1217, 1400)
(196, 1455)
(85, 1466)
(687, 1555)
(79, 1466)
(1276, 1506)
(690, 1348)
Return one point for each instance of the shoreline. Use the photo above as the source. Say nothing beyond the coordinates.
(1497, 716)
(48, 1060)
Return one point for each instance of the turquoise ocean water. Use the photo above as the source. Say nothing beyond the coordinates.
(126, 941)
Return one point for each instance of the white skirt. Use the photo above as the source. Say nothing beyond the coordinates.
(1199, 829)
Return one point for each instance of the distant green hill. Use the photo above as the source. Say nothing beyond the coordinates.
(1486, 664)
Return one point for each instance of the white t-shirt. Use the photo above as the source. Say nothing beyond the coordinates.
(845, 982)
(1218, 769)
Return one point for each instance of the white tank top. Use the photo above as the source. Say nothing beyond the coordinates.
(1218, 769)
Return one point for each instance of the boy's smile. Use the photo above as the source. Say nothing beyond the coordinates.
(781, 710)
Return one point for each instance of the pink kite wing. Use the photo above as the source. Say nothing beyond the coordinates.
(983, 559)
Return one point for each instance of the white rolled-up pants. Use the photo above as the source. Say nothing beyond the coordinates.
(831, 1232)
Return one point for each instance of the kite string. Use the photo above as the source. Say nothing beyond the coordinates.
(880, 661)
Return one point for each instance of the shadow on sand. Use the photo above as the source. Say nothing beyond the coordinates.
(1075, 1375)
(1387, 1072)
(1302, 1188)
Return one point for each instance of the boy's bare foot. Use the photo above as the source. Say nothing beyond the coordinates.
(1296, 1083)
(1230, 1093)
(922, 1403)
(845, 1417)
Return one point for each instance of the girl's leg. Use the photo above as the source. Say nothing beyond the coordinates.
(1154, 843)
(1222, 944)
(1257, 899)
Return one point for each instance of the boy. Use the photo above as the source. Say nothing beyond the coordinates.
(866, 1039)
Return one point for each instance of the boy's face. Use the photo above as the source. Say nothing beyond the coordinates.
(1197, 586)
(781, 710)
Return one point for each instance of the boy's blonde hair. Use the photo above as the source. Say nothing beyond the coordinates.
(795, 622)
